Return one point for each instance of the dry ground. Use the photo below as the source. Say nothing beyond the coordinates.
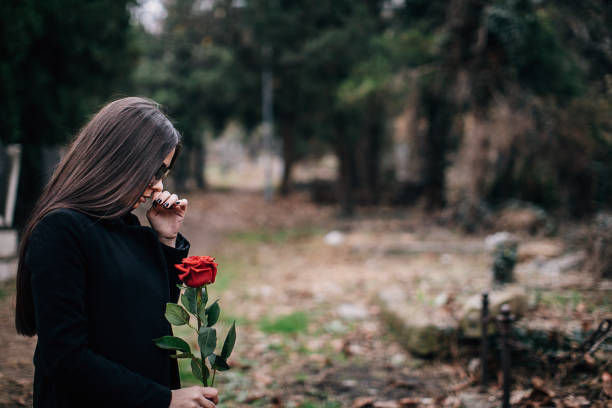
(308, 326)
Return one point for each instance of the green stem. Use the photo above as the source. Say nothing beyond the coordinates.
(212, 383)
(199, 302)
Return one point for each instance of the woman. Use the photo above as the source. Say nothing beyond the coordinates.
(92, 282)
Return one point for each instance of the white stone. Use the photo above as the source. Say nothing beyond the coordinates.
(8, 243)
(398, 360)
(334, 238)
(8, 269)
(352, 311)
(492, 241)
(336, 326)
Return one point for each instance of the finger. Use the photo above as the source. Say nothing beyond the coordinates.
(205, 402)
(155, 195)
(162, 197)
(211, 393)
(182, 203)
(170, 201)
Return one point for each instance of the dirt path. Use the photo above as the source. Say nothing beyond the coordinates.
(305, 302)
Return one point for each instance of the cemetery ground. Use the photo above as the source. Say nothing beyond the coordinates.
(312, 293)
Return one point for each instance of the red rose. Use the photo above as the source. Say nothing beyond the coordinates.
(197, 271)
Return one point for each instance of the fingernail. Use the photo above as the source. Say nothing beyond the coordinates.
(166, 205)
(154, 203)
(177, 202)
(158, 200)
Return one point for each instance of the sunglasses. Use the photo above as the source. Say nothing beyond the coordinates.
(163, 171)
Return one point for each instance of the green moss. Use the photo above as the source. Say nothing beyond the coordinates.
(292, 323)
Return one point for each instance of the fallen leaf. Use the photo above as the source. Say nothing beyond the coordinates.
(606, 379)
(518, 396)
(451, 402)
(386, 404)
(363, 402)
(409, 402)
(576, 402)
(589, 360)
(538, 384)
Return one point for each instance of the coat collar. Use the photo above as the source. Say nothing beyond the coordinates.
(128, 219)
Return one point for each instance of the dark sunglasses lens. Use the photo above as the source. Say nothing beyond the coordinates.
(161, 173)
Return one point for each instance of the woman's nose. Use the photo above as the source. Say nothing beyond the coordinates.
(157, 185)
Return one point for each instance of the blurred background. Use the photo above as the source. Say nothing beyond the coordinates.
(338, 149)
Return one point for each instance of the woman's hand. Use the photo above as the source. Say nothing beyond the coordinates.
(194, 397)
(166, 216)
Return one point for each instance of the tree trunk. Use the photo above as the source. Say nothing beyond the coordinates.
(346, 171)
(199, 164)
(288, 137)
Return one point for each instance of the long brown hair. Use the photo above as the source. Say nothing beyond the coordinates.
(105, 171)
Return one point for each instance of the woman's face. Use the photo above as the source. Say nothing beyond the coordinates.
(155, 185)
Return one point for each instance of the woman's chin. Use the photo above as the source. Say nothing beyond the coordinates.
(140, 200)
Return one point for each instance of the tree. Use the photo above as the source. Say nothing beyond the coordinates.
(60, 61)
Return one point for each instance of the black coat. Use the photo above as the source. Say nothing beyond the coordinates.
(100, 289)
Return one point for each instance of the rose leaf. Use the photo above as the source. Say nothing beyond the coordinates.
(230, 340)
(188, 299)
(212, 313)
(202, 314)
(172, 343)
(218, 363)
(207, 340)
(176, 315)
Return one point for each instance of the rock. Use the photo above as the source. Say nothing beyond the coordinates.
(470, 316)
(334, 238)
(599, 247)
(398, 360)
(476, 400)
(563, 263)
(352, 311)
(474, 367)
(541, 249)
(420, 328)
(494, 240)
(336, 326)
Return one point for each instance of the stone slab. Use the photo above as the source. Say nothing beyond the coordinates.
(8, 243)
(8, 269)
(422, 329)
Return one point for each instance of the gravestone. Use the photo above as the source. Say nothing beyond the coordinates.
(10, 162)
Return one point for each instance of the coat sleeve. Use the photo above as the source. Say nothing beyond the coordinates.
(174, 256)
(56, 260)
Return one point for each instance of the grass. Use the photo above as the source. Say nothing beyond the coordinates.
(275, 237)
(570, 299)
(296, 322)
(229, 269)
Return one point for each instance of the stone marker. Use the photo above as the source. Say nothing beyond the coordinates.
(469, 322)
(422, 329)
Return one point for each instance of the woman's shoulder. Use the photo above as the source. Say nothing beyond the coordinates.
(64, 216)
(61, 229)
(63, 222)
